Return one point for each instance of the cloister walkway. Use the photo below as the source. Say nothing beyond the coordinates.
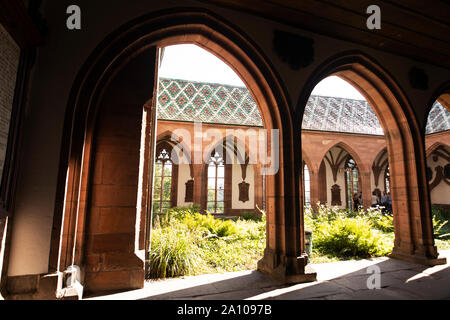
(345, 280)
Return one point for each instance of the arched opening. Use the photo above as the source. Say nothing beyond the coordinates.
(437, 144)
(381, 181)
(165, 182)
(412, 216)
(336, 113)
(203, 101)
(306, 185)
(231, 184)
(387, 180)
(352, 183)
(215, 201)
(339, 178)
(112, 254)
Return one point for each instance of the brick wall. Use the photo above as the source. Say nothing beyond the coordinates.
(9, 63)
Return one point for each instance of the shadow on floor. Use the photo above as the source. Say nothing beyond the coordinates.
(398, 280)
(345, 280)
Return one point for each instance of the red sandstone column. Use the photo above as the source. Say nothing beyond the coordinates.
(365, 188)
(314, 187)
(198, 172)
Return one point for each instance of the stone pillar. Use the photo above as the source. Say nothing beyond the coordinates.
(314, 188)
(284, 257)
(366, 189)
(198, 182)
(414, 240)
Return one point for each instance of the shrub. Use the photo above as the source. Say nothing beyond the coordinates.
(175, 213)
(380, 220)
(251, 215)
(344, 233)
(351, 237)
(384, 223)
(251, 230)
(440, 223)
(214, 227)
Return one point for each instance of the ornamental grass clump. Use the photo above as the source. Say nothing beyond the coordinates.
(185, 242)
(174, 252)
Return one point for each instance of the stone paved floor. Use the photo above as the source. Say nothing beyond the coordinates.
(339, 280)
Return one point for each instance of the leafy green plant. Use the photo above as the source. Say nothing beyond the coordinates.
(349, 234)
(380, 220)
(214, 227)
(251, 215)
(441, 226)
(187, 242)
(350, 237)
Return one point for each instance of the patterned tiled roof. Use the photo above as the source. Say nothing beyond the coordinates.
(184, 100)
(438, 119)
(340, 115)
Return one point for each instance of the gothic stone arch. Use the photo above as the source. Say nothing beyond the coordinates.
(111, 253)
(411, 203)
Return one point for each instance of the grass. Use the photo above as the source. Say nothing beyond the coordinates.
(185, 242)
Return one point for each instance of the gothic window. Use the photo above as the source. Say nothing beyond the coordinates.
(387, 180)
(162, 190)
(352, 180)
(306, 186)
(216, 185)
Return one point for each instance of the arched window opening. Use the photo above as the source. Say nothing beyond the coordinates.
(306, 186)
(216, 184)
(437, 137)
(337, 113)
(352, 183)
(162, 190)
(387, 180)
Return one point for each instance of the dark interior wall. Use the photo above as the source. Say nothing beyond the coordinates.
(61, 57)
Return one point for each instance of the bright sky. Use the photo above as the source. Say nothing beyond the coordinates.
(336, 87)
(190, 62)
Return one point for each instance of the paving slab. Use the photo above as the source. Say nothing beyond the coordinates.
(317, 291)
(360, 282)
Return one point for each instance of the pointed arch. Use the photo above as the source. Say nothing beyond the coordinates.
(350, 151)
(174, 140)
(381, 150)
(441, 95)
(308, 162)
(405, 144)
(237, 148)
(127, 46)
(378, 166)
(436, 146)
